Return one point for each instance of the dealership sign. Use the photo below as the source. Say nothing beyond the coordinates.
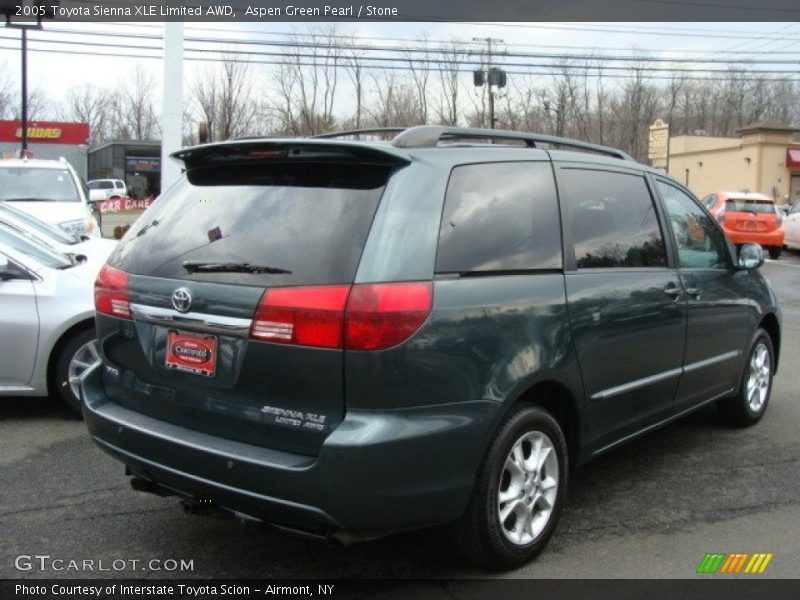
(123, 204)
(45, 132)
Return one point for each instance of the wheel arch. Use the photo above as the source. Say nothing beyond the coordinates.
(771, 325)
(557, 399)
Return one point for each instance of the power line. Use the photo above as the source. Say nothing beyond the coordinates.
(409, 60)
(381, 67)
(437, 51)
(451, 41)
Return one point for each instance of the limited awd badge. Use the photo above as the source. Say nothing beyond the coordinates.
(182, 300)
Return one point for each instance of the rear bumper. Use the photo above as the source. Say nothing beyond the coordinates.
(770, 238)
(376, 473)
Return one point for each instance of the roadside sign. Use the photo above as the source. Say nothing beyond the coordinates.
(658, 147)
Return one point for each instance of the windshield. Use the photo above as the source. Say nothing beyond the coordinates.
(266, 224)
(51, 232)
(101, 185)
(41, 253)
(749, 205)
(41, 185)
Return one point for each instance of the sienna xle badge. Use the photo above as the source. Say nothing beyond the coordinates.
(349, 339)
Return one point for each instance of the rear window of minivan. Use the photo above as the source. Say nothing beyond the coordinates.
(305, 222)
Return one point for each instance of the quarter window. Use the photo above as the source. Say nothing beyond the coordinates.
(701, 244)
(500, 217)
(613, 220)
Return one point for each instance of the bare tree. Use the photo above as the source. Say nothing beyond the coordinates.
(132, 113)
(395, 103)
(450, 58)
(7, 95)
(89, 104)
(306, 83)
(352, 62)
(420, 75)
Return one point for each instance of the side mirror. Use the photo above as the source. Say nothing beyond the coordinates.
(751, 256)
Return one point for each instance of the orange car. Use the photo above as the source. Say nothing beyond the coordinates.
(748, 217)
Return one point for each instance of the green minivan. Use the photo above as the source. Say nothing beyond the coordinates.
(347, 338)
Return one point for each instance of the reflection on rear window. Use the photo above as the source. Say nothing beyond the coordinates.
(307, 222)
(752, 206)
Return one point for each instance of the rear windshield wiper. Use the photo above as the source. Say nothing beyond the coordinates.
(196, 266)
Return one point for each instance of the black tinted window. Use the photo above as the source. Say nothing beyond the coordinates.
(613, 220)
(500, 217)
(310, 219)
(749, 205)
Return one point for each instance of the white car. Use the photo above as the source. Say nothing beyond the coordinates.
(92, 248)
(46, 319)
(49, 190)
(791, 226)
(105, 189)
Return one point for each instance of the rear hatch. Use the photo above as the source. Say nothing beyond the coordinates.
(222, 309)
(750, 215)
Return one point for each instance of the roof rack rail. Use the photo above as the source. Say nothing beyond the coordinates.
(354, 132)
(429, 136)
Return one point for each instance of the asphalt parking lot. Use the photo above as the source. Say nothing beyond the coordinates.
(650, 509)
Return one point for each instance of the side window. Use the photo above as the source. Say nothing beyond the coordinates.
(500, 217)
(701, 244)
(795, 209)
(613, 220)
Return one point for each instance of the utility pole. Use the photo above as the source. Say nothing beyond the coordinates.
(493, 76)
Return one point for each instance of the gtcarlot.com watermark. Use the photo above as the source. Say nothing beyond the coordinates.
(48, 563)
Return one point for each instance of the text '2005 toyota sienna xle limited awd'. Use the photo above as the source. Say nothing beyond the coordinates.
(349, 339)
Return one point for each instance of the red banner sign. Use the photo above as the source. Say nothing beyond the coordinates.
(123, 204)
(46, 132)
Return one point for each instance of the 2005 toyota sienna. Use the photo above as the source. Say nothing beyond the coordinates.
(349, 338)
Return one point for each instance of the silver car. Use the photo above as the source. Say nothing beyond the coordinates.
(68, 243)
(47, 336)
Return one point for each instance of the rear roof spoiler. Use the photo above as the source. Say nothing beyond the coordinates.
(263, 149)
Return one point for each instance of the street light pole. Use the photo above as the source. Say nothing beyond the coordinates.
(44, 9)
(24, 119)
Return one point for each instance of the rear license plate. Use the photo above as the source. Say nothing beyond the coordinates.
(192, 353)
(749, 225)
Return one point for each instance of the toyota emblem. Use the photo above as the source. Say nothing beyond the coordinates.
(182, 300)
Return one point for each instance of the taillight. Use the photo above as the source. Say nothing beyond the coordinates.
(361, 317)
(111, 293)
(306, 316)
(382, 315)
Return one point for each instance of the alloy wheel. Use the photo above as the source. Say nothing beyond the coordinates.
(528, 488)
(758, 377)
(84, 357)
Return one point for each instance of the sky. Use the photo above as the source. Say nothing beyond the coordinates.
(54, 72)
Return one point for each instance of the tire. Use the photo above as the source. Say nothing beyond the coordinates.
(80, 349)
(749, 405)
(479, 534)
(775, 252)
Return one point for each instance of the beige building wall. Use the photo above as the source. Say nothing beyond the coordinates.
(755, 162)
